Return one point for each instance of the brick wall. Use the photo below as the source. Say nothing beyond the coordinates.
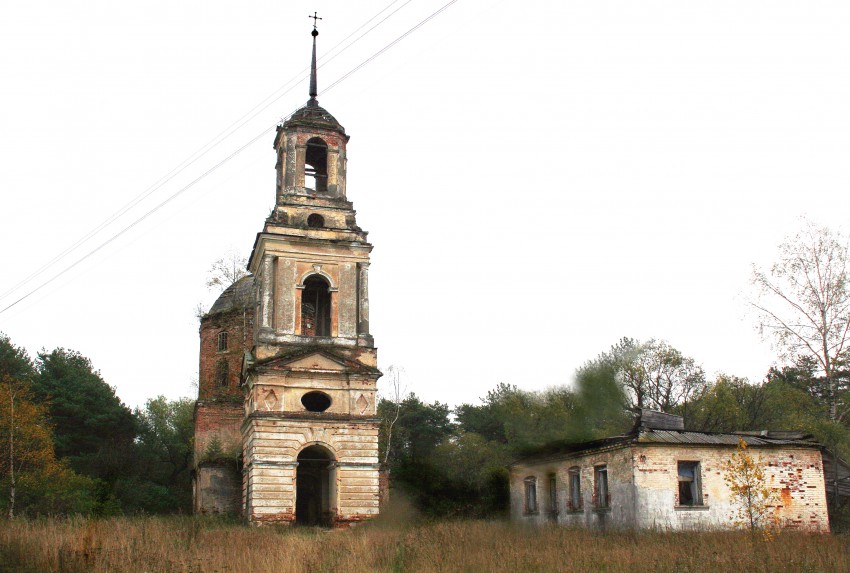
(644, 488)
(237, 323)
(795, 473)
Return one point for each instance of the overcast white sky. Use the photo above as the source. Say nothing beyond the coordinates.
(538, 179)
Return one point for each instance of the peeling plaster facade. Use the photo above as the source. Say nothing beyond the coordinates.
(643, 482)
(306, 419)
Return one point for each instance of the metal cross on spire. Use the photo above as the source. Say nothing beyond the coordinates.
(315, 18)
(313, 84)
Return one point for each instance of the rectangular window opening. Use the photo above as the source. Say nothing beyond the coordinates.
(690, 486)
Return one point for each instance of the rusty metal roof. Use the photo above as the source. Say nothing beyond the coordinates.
(646, 436)
(238, 295)
(761, 439)
(313, 115)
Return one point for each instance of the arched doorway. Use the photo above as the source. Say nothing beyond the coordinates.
(314, 487)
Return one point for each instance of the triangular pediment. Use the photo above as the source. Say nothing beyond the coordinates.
(316, 360)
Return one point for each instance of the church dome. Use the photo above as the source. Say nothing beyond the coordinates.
(313, 115)
(239, 295)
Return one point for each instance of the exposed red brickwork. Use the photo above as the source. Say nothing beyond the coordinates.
(217, 420)
(237, 323)
(219, 410)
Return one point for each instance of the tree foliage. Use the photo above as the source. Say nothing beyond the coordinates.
(803, 305)
(94, 430)
(227, 270)
(35, 481)
(756, 500)
(164, 453)
(653, 374)
(459, 466)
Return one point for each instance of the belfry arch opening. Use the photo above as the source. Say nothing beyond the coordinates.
(316, 307)
(314, 487)
(316, 165)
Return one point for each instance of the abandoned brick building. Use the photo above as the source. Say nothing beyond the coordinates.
(285, 425)
(660, 475)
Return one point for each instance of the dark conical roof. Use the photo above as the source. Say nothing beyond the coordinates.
(239, 295)
(314, 115)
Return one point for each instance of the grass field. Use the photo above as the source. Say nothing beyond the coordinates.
(197, 545)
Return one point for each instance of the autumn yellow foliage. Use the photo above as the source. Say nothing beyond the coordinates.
(756, 501)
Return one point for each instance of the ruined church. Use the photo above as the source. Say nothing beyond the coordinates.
(286, 428)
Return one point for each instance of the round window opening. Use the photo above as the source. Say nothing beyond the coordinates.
(315, 221)
(316, 401)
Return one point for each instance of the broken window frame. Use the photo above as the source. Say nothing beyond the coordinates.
(530, 495)
(222, 341)
(575, 502)
(601, 492)
(689, 478)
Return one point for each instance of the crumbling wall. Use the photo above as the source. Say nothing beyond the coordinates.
(218, 488)
(271, 447)
(619, 511)
(796, 474)
(219, 410)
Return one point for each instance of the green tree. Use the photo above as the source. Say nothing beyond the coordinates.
(417, 431)
(94, 430)
(35, 481)
(474, 474)
(653, 374)
(164, 455)
(730, 404)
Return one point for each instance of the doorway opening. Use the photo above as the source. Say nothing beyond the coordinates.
(314, 487)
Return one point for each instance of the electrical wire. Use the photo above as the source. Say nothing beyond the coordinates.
(223, 161)
(206, 148)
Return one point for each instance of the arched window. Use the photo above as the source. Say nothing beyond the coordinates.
(316, 307)
(316, 165)
(315, 221)
(553, 495)
(530, 494)
(222, 372)
(316, 401)
(575, 489)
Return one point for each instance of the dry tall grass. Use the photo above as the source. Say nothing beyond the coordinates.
(190, 545)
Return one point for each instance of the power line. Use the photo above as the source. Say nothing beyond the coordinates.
(206, 148)
(225, 160)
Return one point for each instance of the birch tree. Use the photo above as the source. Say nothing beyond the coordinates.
(803, 305)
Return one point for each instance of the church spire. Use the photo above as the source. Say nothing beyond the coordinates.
(313, 88)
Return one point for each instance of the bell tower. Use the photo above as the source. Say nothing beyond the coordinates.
(310, 433)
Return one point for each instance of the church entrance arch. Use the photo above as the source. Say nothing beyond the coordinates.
(315, 486)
